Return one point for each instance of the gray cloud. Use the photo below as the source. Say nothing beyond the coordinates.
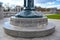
(44, 1)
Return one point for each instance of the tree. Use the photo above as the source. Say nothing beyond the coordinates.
(7, 7)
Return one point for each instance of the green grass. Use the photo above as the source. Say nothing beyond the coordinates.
(54, 16)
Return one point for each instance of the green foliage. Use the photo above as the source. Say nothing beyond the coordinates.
(54, 16)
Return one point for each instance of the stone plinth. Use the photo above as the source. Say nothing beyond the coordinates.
(28, 22)
(33, 27)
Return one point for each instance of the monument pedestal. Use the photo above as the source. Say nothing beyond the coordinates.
(28, 27)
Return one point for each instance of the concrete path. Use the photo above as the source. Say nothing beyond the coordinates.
(54, 36)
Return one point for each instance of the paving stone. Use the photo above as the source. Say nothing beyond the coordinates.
(23, 39)
(23, 27)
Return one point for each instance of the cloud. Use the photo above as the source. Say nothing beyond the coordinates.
(44, 1)
(41, 5)
(54, 6)
(57, 0)
(13, 2)
(50, 3)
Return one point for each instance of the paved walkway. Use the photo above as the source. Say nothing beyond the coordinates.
(54, 36)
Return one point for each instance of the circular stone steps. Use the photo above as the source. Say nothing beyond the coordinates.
(28, 31)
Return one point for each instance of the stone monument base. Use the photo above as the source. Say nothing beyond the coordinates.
(37, 31)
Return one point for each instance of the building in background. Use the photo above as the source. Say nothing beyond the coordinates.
(11, 12)
(53, 10)
(1, 11)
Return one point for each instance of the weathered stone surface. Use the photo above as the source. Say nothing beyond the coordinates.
(28, 22)
(28, 31)
(54, 36)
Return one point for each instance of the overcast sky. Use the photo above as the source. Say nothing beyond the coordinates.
(42, 3)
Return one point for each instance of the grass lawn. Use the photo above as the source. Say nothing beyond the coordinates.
(54, 16)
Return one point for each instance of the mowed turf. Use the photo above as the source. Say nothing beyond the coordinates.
(54, 16)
